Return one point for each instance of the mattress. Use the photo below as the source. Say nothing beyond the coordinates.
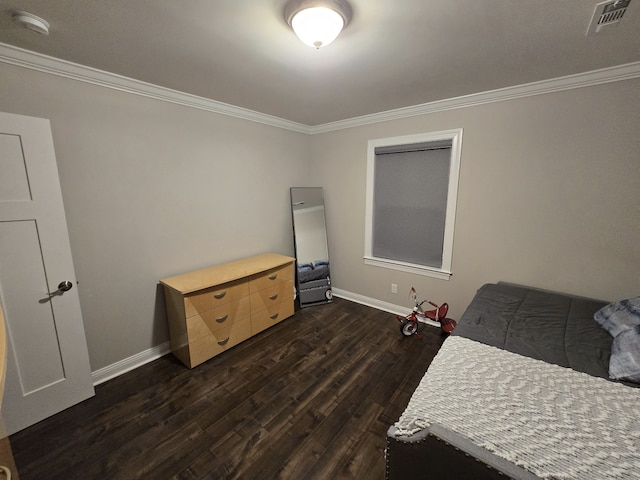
(551, 327)
(548, 326)
(552, 421)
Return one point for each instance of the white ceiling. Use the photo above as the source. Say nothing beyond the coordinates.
(393, 54)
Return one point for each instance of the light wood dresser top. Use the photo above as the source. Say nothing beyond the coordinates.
(200, 279)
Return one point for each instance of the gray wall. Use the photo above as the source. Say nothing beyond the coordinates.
(548, 196)
(153, 189)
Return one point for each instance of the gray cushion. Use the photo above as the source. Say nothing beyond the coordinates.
(617, 317)
(625, 356)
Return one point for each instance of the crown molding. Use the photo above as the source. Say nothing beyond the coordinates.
(62, 68)
(596, 77)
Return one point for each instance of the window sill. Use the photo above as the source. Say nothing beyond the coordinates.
(408, 267)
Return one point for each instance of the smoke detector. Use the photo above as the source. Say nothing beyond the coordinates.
(31, 22)
(607, 15)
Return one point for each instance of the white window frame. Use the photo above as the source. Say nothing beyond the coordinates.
(443, 273)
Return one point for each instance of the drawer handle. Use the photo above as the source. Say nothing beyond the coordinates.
(273, 276)
(220, 295)
(223, 342)
(222, 318)
(273, 297)
(274, 316)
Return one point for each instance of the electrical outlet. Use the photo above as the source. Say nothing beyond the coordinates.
(394, 288)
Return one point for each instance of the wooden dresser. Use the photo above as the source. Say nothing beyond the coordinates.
(212, 309)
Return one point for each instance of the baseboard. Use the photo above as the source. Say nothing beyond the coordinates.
(128, 364)
(123, 366)
(370, 302)
(380, 305)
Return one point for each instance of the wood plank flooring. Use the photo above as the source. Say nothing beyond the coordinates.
(310, 398)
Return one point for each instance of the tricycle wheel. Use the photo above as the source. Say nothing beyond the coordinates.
(408, 328)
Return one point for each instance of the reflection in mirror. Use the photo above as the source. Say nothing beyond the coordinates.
(310, 239)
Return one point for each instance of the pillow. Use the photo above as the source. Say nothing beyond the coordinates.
(617, 317)
(625, 356)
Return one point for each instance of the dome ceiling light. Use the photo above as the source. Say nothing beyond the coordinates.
(317, 22)
(31, 22)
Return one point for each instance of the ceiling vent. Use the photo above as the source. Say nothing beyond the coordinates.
(607, 15)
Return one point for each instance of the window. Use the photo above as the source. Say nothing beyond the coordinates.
(412, 186)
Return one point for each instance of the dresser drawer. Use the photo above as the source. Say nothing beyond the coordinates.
(217, 319)
(271, 277)
(271, 296)
(213, 344)
(268, 317)
(209, 298)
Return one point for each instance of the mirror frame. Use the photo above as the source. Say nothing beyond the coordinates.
(313, 276)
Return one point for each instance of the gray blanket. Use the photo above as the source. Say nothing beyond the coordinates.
(539, 324)
(554, 422)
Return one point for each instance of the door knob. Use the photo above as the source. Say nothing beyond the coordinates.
(62, 287)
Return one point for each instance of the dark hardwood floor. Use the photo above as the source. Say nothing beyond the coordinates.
(310, 398)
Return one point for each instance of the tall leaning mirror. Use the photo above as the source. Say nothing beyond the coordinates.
(313, 279)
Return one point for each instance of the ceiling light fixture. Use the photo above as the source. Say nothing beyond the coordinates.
(317, 22)
(31, 22)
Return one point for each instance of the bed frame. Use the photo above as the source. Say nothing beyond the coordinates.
(548, 326)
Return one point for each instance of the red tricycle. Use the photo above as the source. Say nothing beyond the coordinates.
(436, 317)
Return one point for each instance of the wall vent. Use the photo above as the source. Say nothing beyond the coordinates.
(607, 15)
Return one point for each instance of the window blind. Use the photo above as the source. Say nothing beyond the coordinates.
(409, 208)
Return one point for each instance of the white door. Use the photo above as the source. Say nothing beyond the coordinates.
(47, 360)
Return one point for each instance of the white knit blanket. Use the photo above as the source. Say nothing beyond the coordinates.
(552, 421)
